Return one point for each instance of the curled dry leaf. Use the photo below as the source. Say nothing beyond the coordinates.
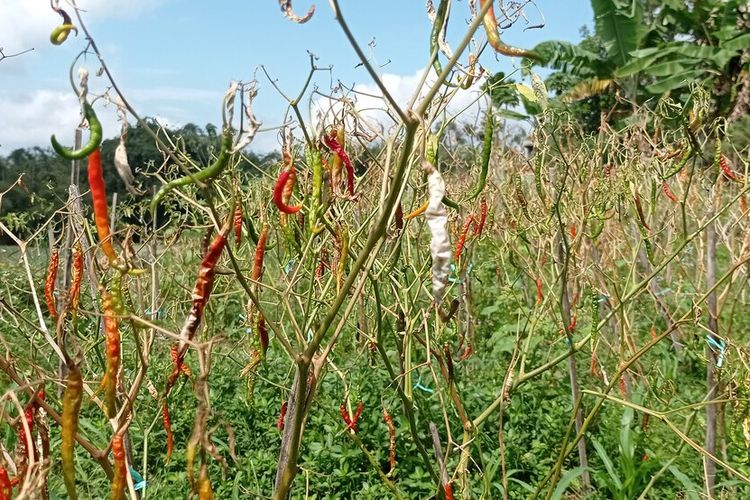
(251, 124)
(286, 8)
(229, 97)
(83, 92)
(437, 221)
(123, 168)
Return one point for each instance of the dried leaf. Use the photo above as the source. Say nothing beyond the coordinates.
(123, 168)
(229, 102)
(437, 220)
(286, 8)
(251, 124)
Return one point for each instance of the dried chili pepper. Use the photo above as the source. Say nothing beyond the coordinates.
(437, 29)
(49, 283)
(726, 169)
(204, 485)
(399, 217)
(112, 336)
(167, 421)
(345, 415)
(462, 237)
(262, 334)
(539, 290)
(6, 490)
(448, 362)
(623, 387)
(332, 143)
(72, 398)
(479, 227)
(119, 479)
(641, 213)
(668, 192)
(489, 129)
(573, 231)
(572, 325)
(493, 35)
(260, 251)
(322, 264)
(211, 171)
(282, 416)
(75, 283)
(238, 224)
(99, 199)
(645, 422)
(180, 367)
(95, 137)
(391, 440)
(337, 163)
(282, 191)
(202, 290)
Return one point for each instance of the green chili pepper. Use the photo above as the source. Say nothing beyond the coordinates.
(207, 173)
(489, 128)
(437, 28)
(95, 138)
(594, 298)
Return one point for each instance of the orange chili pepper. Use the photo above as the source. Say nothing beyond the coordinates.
(419, 211)
(282, 191)
(462, 237)
(238, 224)
(168, 428)
(49, 283)
(391, 440)
(493, 35)
(668, 192)
(119, 479)
(6, 490)
(75, 283)
(282, 416)
(478, 228)
(112, 335)
(99, 198)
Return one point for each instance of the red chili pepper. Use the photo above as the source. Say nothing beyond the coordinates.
(284, 184)
(355, 418)
(119, 479)
(479, 227)
(333, 144)
(572, 325)
(726, 169)
(573, 231)
(180, 367)
(6, 491)
(645, 422)
(322, 265)
(99, 198)
(202, 291)
(168, 428)
(539, 290)
(238, 224)
(623, 389)
(653, 332)
(75, 283)
(668, 192)
(49, 283)
(462, 238)
(448, 490)
(391, 440)
(282, 415)
(345, 415)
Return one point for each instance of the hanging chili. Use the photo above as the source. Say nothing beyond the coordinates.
(95, 137)
(572, 325)
(437, 29)
(668, 192)
(119, 479)
(282, 415)
(345, 415)
(260, 251)
(355, 417)
(262, 334)
(337, 163)
(60, 33)
(462, 237)
(49, 283)
(448, 490)
(641, 213)
(112, 340)
(208, 173)
(539, 290)
(332, 143)
(75, 282)
(727, 170)
(489, 128)
(6, 490)
(493, 35)
(99, 199)
(419, 211)
(180, 367)
(283, 189)
(204, 485)
(238, 224)
(72, 398)
(167, 421)
(391, 440)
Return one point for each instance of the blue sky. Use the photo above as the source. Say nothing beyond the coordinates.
(174, 59)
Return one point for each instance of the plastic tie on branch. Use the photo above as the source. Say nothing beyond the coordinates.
(718, 345)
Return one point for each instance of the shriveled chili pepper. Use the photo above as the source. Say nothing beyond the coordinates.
(238, 224)
(260, 251)
(167, 421)
(211, 171)
(539, 290)
(462, 237)
(99, 199)
(49, 283)
(180, 367)
(75, 283)
(448, 361)
(322, 264)
(398, 217)
(572, 325)
(594, 365)
(489, 129)
(623, 387)
(391, 440)
(573, 231)
(645, 422)
(6, 490)
(72, 398)
(727, 170)
(285, 184)
(332, 143)
(112, 336)
(345, 415)
(95, 137)
(337, 163)
(60, 33)
(262, 334)
(641, 214)
(355, 417)
(119, 478)
(479, 227)
(282, 416)
(668, 192)
(493, 35)
(202, 289)
(448, 491)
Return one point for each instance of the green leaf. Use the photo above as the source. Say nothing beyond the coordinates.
(567, 57)
(565, 481)
(607, 463)
(511, 115)
(621, 28)
(737, 44)
(691, 489)
(668, 68)
(674, 82)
